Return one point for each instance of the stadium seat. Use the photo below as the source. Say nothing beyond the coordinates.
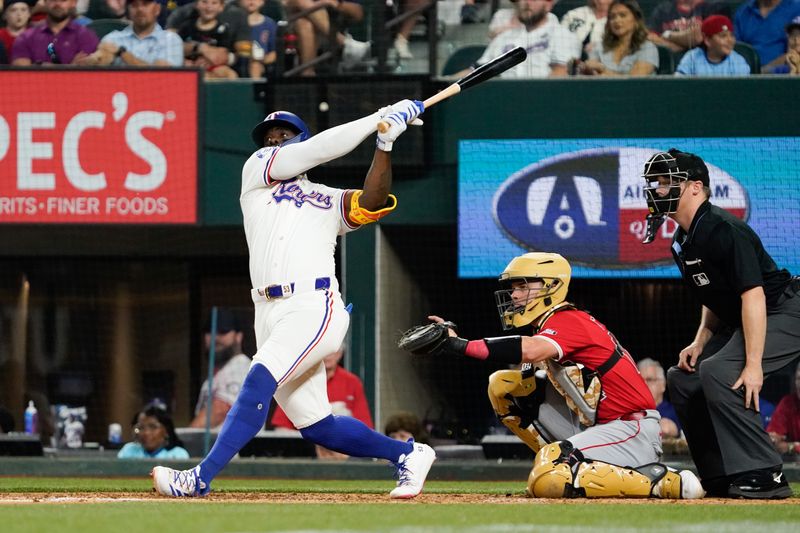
(750, 55)
(101, 27)
(666, 61)
(462, 58)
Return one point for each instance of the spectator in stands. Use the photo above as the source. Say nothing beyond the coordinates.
(210, 43)
(234, 18)
(791, 63)
(653, 374)
(675, 24)
(16, 15)
(345, 394)
(588, 23)
(784, 428)
(762, 24)
(625, 50)
(716, 56)
(230, 368)
(264, 31)
(59, 40)
(154, 437)
(317, 24)
(143, 42)
(549, 45)
(404, 425)
(404, 32)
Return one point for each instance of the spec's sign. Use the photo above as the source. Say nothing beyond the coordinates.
(98, 147)
(585, 200)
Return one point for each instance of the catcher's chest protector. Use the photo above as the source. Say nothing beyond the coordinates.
(580, 388)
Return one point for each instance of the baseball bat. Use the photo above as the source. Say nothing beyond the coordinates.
(485, 72)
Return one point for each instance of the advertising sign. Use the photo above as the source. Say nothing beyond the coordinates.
(584, 199)
(116, 147)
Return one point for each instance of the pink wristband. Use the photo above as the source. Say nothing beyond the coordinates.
(477, 349)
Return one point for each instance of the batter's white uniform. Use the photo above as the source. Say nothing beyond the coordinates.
(291, 228)
(549, 44)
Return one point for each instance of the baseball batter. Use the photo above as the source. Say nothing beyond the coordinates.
(617, 453)
(291, 225)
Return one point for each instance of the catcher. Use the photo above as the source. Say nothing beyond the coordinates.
(590, 418)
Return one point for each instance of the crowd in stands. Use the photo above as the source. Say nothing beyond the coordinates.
(237, 38)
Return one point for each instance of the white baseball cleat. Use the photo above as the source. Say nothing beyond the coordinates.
(691, 488)
(412, 469)
(178, 483)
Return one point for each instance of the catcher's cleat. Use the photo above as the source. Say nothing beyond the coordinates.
(412, 469)
(691, 488)
(178, 483)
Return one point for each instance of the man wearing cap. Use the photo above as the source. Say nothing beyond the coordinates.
(143, 42)
(59, 40)
(16, 14)
(792, 63)
(762, 24)
(716, 56)
(230, 369)
(749, 328)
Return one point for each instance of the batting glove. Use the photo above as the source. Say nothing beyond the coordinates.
(397, 125)
(409, 110)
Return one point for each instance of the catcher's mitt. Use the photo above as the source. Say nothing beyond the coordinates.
(425, 339)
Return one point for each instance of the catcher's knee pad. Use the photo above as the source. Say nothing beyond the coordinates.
(552, 473)
(504, 386)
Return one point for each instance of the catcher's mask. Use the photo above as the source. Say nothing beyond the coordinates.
(663, 174)
(518, 302)
(283, 119)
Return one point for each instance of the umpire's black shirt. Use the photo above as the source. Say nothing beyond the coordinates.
(720, 258)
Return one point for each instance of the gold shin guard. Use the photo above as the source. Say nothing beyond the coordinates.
(559, 471)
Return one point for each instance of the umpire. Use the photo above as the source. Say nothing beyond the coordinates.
(749, 328)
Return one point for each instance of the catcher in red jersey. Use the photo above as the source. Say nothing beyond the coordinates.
(616, 448)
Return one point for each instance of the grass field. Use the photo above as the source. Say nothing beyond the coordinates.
(246, 505)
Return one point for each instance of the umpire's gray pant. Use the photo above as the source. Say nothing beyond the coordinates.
(725, 438)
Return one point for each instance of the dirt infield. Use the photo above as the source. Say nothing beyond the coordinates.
(345, 498)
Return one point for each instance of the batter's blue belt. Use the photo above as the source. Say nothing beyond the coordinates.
(284, 290)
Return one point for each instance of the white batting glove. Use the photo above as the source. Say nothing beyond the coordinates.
(397, 125)
(410, 110)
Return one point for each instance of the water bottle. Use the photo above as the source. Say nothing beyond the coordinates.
(114, 433)
(31, 419)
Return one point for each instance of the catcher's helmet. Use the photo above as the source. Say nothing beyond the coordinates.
(552, 269)
(284, 119)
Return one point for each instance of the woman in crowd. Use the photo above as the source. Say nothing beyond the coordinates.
(625, 50)
(155, 437)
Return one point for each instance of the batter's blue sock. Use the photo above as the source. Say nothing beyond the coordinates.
(350, 436)
(244, 420)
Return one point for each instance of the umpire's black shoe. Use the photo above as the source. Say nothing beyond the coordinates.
(760, 485)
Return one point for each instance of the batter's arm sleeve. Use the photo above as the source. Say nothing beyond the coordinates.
(295, 159)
